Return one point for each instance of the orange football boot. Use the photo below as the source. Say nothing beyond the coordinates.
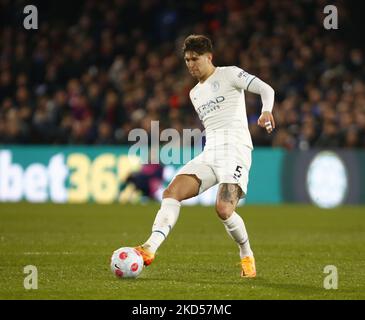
(147, 256)
(248, 267)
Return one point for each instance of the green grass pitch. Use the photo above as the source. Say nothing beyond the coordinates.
(71, 246)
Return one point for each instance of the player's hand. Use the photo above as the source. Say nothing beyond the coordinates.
(266, 121)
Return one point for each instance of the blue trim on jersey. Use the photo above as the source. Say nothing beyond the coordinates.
(250, 82)
(160, 232)
(241, 244)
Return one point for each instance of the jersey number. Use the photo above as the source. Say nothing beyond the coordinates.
(237, 174)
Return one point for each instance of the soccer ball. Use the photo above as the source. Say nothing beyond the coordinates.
(126, 262)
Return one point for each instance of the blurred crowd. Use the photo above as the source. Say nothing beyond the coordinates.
(112, 66)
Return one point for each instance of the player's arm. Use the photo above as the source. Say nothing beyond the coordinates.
(243, 80)
(267, 93)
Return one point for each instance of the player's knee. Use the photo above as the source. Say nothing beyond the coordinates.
(224, 210)
(170, 193)
(167, 193)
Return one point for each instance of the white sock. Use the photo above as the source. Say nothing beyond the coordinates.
(236, 229)
(165, 220)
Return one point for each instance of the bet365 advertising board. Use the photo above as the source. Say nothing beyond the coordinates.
(327, 178)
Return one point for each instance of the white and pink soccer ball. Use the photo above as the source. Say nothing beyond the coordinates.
(126, 262)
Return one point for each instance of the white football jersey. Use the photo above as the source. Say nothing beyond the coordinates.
(220, 104)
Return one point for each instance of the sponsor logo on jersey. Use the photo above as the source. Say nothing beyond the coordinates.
(209, 106)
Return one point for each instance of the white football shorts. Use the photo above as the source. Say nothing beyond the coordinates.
(225, 164)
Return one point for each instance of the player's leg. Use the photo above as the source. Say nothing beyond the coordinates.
(227, 200)
(183, 186)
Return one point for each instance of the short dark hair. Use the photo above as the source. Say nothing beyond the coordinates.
(197, 43)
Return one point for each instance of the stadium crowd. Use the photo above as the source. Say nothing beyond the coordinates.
(117, 65)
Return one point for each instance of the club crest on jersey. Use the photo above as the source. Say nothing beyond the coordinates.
(215, 86)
